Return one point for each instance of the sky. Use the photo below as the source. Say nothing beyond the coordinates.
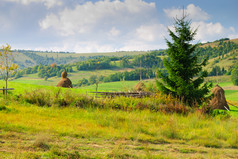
(89, 26)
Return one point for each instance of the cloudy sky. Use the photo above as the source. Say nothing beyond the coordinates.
(109, 25)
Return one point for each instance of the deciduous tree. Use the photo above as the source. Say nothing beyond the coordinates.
(7, 66)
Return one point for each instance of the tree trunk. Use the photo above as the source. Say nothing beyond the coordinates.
(6, 83)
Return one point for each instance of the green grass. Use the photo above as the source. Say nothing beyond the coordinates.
(29, 131)
(231, 95)
(74, 77)
(113, 86)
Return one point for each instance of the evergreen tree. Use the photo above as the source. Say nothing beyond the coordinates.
(185, 76)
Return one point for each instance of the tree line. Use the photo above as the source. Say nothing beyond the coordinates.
(137, 74)
(45, 72)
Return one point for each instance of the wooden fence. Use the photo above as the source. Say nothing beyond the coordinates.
(125, 94)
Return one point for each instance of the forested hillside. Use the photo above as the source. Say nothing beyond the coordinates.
(222, 59)
(30, 58)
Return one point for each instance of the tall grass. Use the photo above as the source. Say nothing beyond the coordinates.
(59, 98)
(67, 125)
(138, 125)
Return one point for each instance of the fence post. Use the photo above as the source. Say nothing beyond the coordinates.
(3, 90)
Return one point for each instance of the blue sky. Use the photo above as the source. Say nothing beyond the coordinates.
(109, 25)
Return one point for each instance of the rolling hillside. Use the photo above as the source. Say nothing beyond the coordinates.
(26, 58)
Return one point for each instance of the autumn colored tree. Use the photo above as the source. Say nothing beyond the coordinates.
(7, 67)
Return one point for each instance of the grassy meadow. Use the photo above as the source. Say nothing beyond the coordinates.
(90, 131)
(29, 131)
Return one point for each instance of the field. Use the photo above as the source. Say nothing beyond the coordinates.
(74, 76)
(30, 131)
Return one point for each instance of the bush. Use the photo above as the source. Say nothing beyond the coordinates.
(234, 77)
(58, 98)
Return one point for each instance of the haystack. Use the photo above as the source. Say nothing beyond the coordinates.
(219, 100)
(65, 82)
(139, 87)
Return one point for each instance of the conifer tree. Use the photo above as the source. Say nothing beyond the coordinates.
(185, 79)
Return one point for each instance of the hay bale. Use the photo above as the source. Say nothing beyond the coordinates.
(64, 74)
(140, 86)
(65, 82)
(219, 100)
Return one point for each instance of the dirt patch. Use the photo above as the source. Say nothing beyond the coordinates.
(230, 88)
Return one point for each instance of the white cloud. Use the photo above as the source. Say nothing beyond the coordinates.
(47, 3)
(107, 25)
(102, 15)
(114, 32)
(151, 33)
(207, 30)
(233, 36)
(194, 12)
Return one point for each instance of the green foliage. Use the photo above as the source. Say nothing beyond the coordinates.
(221, 113)
(182, 66)
(45, 60)
(217, 71)
(119, 76)
(233, 67)
(125, 62)
(3, 108)
(130, 76)
(222, 49)
(7, 65)
(95, 64)
(234, 77)
(45, 71)
(148, 61)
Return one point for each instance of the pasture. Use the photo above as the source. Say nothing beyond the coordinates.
(30, 131)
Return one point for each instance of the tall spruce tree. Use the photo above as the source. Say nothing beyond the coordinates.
(185, 79)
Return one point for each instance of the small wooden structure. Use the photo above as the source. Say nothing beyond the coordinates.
(125, 94)
(4, 90)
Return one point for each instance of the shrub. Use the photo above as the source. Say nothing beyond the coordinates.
(58, 98)
(234, 77)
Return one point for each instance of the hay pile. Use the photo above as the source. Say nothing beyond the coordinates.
(219, 100)
(140, 87)
(65, 82)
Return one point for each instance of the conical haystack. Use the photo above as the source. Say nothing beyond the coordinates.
(140, 86)
(219, 100)
(65, 82)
